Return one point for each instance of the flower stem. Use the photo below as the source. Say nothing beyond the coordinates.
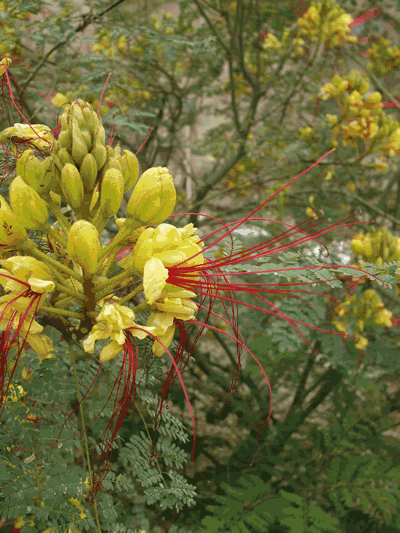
(61, 312)
(78, 393)
(120, 236)
(112, 282)
(133, 293)
(28, 246)
(61, 219)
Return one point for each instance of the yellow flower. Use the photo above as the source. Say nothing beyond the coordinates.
(165, 329)
(112, 320)
(37, 135)
(361, 343)
(60, 100)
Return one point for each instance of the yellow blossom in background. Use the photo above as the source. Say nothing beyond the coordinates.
(325, 22)
(59, 100)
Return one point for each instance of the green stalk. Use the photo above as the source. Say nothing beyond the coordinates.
(120, 236)
(112, 282)
(71, 292)
(61, 219)
(133, 293)
(27, 246)
(78, 393)
(61, 312)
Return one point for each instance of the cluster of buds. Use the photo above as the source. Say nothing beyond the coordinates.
(383, 58)
(367, 308)
(323, 22)
(9, 15)
(92, 179)
(361, 116)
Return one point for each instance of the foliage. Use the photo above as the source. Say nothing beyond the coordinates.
(330, 449)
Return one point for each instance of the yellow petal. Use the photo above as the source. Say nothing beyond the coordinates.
(155, 276)
(110, 351)
(59, 100)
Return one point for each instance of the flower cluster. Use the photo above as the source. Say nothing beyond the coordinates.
(383, 58)
(324, 22)
(367, 308)
(361, 116)
(9, 36)
(376, 246)
(71, 283)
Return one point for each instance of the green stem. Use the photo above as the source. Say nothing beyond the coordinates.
(142, 307)
(61, 219)
(109, 262)
(61, 312)
(51, 232)
(133, 293)
(120, 236)
(112, 282)
(78, 393)
(28, 246)
(71, 292)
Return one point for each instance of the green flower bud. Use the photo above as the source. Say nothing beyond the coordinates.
(65, 157)
(28, 207)
(79, 145)
(130, 169)
(72, 186)
(112, 191)
(100, 154)
(11, 231)
(52, 175)
(65, 139)
(84, 245)
(88, 171)
(111, 163)
(100, 135)
(31, 169)
(153, 198)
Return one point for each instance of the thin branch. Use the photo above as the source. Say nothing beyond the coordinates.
(87, 20)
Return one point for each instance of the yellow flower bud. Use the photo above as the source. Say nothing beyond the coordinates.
(28, 207)
(112, 191)
(153, 198)
(72, 186)
(11, 231)
(130, 169)
(65, 139)
(100, 155)
(52, 175)
(79, 145)
(88, 171)
(84, 245)
(30, 168)
(65, 157)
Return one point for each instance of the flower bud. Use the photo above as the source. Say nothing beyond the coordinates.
(100, 154)
(52, 175)
(94, 199)
(79, 145)
(65, 157)
(65, 137)
(72, 186)
(84, 245)
(28, 207)
(88, 171)
(31, 169)
(11, 231)
(111, 163)
(112, 191)
(153, 198)
(130, 169)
